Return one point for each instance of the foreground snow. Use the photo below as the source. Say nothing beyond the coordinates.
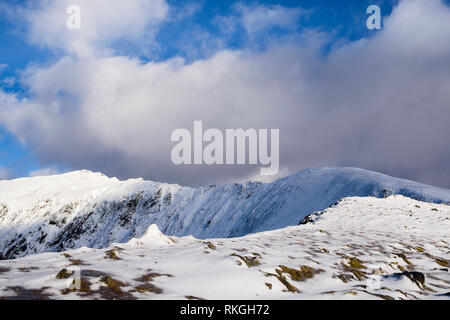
(83, 208)
(360, 248)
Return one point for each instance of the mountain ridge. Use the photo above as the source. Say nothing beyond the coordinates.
(81, 208)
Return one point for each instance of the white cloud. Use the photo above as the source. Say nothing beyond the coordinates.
(184, 11)
(44, 172)
(116, 112)
(102, 22)
(379, 103)
(261, 17)
(5, 174)
(8, 81)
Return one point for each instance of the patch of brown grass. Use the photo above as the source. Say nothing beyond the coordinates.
(249, 261)
(27, 269)
(210, 245)
(283, 280)
(111, 254)
(302, 274)
(64, 274)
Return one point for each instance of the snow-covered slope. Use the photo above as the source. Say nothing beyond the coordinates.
(393, 248)
(82, 208)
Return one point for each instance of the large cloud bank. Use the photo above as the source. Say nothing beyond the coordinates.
(380, 103)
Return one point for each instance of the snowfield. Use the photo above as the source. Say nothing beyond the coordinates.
(360, 248)
(82, 208)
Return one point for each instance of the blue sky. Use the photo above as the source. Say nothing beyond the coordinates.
(345, 18)
(326, 45)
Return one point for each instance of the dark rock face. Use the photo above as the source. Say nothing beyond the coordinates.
(96, 226)
(417, 277)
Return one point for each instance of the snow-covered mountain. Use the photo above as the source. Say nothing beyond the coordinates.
(83, 208)
(361, 248)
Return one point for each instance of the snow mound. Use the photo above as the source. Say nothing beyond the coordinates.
(153, 236)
